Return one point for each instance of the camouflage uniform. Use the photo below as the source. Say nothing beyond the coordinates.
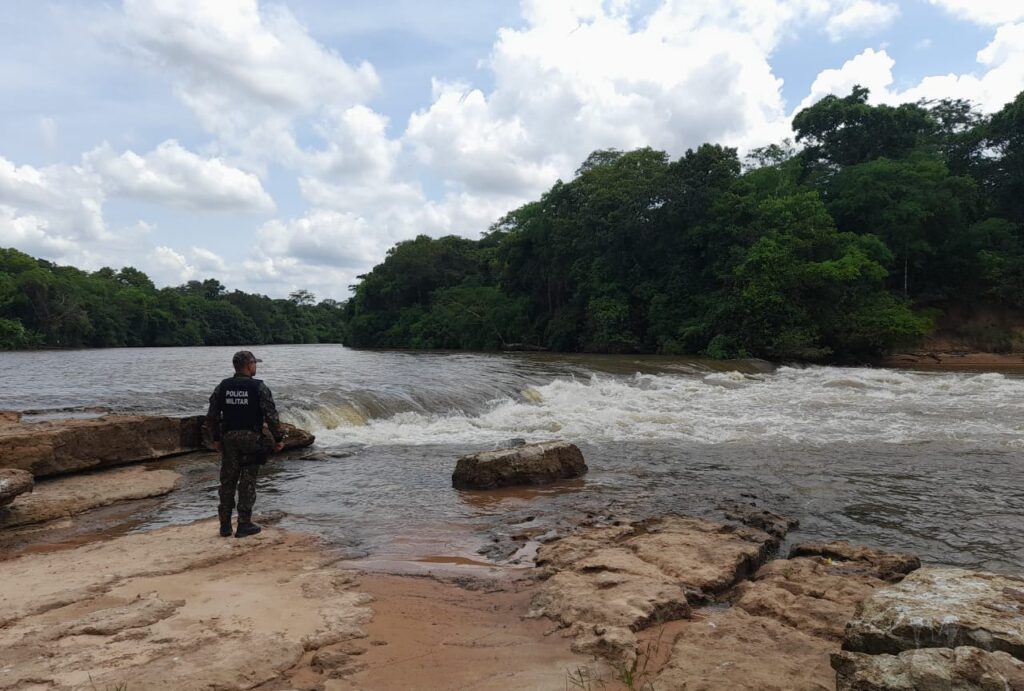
(238, 469)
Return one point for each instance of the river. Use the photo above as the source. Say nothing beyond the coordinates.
(928, 462)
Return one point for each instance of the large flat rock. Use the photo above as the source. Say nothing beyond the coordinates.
(66, 496)
(178, 608)
(39, 582)
(57, 447)
(529, 464)
(13, 483)
(605, 583)
(929, 669)
(942, 608)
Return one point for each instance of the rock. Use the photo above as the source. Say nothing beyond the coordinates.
(175, 608)
(929, 669)
(530, 464)
(66, 496)
(146, 610)
(56, 447)
(13, 482)
(630, 577)
(36, 583)
(768, 521)
(734, 650)
(813, 594)
(889, 566)
(296, 438)
(781, 629)
(941, 608)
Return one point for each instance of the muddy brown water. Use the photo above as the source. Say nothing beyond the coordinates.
(928, 462)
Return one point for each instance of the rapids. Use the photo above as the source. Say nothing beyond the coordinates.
(924, 461)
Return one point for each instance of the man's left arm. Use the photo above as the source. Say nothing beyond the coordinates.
(270, 415)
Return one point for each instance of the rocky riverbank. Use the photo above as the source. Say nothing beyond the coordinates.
(954, 360)
(670, 602)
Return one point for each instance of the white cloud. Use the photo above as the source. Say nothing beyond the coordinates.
(208, 261)
(986, 12)
(246, 70)
(235, 60)
(871, 69)
(1000, 81)
(169, 267)
(175, 176)
(580, 77)
(862, 16)
(69, 198)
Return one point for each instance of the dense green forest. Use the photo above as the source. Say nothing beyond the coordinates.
(846, 243)
(45, 305)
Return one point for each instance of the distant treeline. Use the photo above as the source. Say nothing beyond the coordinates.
(843, 245)
(45, 305)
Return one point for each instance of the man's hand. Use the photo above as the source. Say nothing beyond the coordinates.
(218, 447)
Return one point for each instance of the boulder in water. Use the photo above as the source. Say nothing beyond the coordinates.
(529, 464)
(941, 608)
(14, 482)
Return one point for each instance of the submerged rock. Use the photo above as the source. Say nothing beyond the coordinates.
(57, 447)
(942, 608)
(929, 669)
(762, 519)
(13, 482)
(529, 464)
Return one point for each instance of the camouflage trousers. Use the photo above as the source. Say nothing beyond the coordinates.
(234, 474)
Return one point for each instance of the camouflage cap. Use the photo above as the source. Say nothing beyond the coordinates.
(242, 358)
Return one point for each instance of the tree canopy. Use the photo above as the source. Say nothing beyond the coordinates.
(45, 305)
(843, 245)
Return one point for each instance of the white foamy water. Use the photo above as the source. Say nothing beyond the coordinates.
(927, 462)
(816, 406)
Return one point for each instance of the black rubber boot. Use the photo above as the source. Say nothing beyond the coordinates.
(225, 523)
(247, 528)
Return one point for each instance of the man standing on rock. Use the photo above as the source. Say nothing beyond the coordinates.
(238, 407)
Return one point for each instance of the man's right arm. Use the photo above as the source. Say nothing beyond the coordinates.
(213, 414)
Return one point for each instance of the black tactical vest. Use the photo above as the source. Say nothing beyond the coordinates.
(240, 404)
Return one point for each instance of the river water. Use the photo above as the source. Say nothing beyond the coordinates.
(928, 462)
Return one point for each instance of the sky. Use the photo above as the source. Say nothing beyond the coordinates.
(285, 145)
